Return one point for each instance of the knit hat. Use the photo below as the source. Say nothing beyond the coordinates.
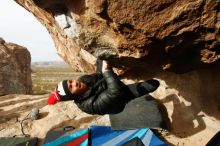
(61, 93)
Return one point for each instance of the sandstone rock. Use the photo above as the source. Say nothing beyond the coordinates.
(15, 71)
(15, 108)
(143, 39)
(147, 33)
(2, 41)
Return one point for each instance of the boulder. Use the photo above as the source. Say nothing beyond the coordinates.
(178, 36)
(15, 70)
(175, 41)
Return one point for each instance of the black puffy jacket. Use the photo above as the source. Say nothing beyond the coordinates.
(107, 94)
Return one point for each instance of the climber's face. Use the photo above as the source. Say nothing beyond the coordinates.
(76, 87)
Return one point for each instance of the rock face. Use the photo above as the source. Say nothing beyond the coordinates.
(15, 71)
(144, 39)
(170, 35)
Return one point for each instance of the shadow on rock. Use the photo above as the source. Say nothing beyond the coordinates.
(43, 115)
(75, 123)
(183, 126)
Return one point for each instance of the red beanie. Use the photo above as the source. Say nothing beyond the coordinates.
(54, 98)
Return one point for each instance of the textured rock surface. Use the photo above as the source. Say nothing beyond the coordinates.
(15, 108)
(170, 35)
(15, 71)
(145, 39)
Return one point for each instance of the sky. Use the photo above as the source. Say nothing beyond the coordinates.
(19, 26)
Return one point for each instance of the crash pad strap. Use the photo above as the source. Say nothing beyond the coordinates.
(79, 137)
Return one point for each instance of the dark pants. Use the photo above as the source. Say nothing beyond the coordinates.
(139, 89)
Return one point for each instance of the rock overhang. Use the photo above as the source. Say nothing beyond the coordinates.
(177, 36)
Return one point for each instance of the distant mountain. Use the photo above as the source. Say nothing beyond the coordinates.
(50, 64)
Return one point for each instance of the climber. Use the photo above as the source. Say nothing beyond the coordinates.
(100, 93)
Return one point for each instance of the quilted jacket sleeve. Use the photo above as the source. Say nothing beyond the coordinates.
(107, 101)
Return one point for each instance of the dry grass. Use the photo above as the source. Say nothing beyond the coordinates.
(44, 80)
